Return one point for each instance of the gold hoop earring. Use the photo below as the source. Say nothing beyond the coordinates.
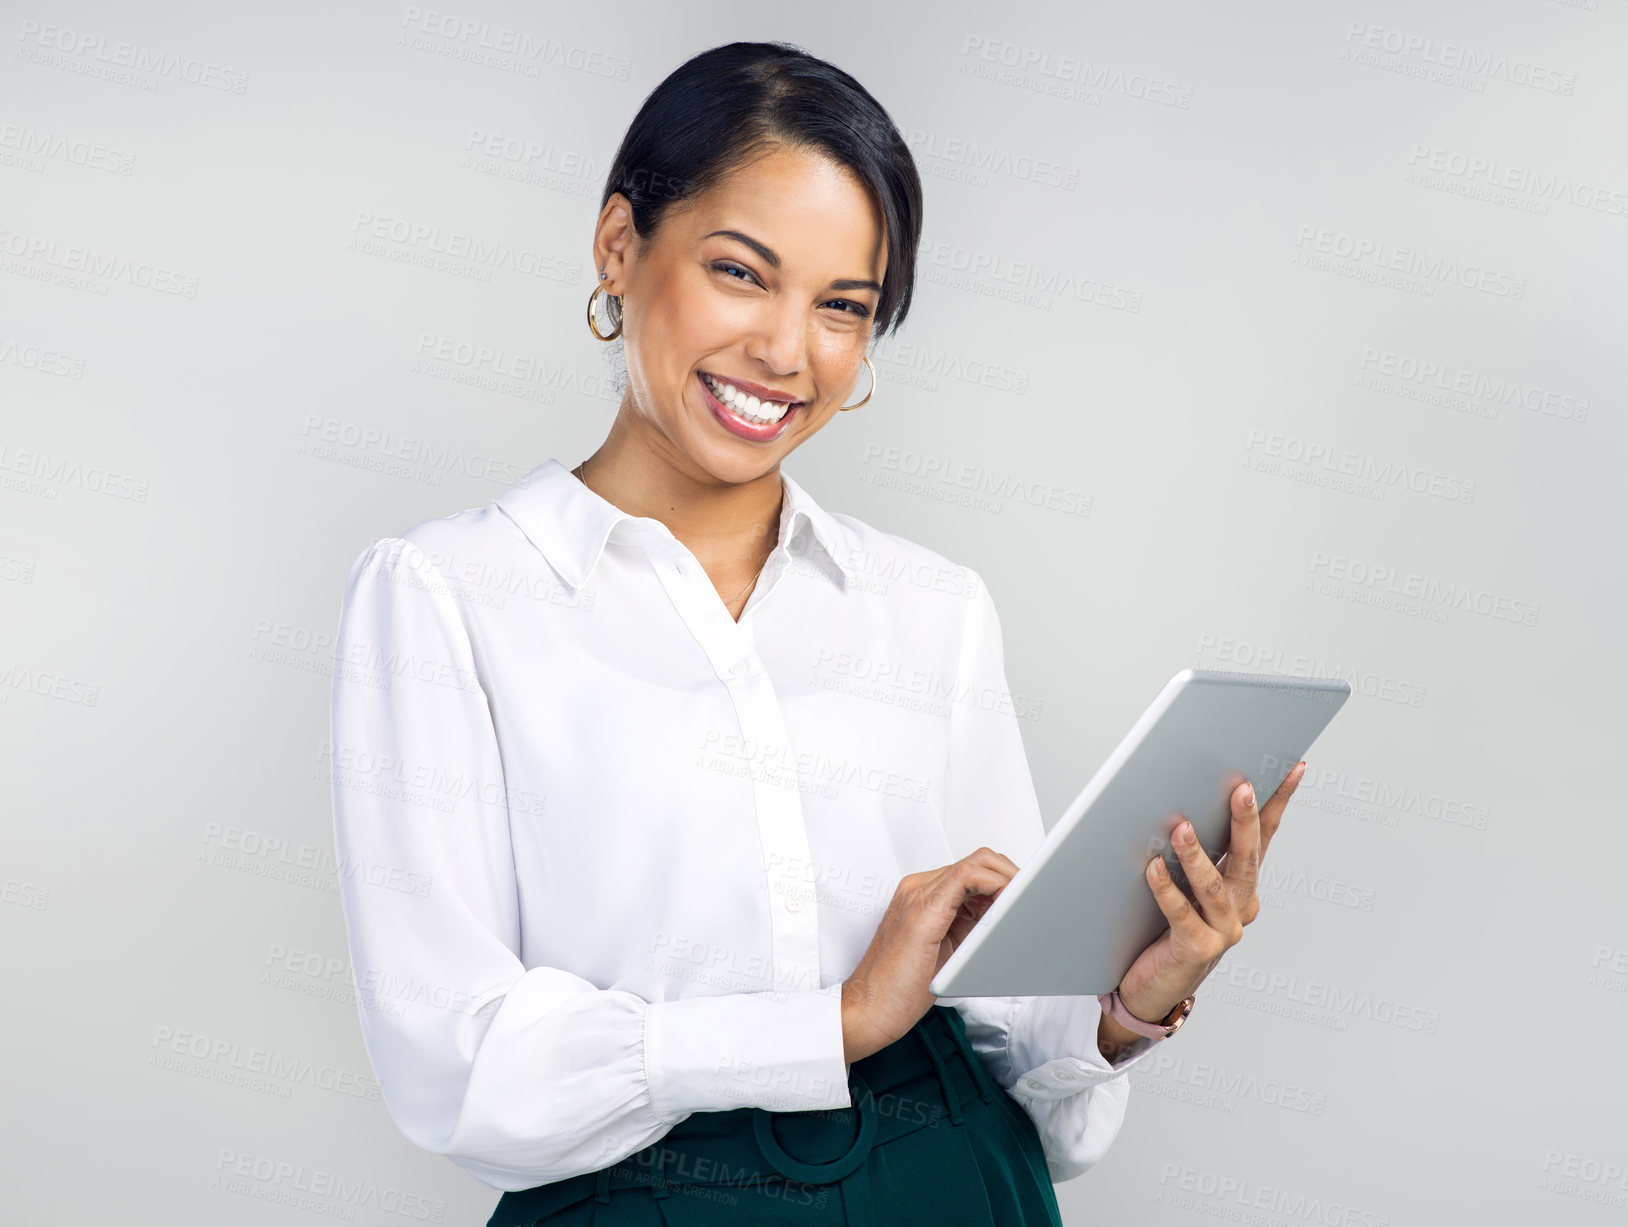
(869, 394)
(593, 323)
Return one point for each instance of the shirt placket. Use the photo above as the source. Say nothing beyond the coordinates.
(782, 834)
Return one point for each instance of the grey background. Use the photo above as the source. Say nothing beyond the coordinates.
(214, 394)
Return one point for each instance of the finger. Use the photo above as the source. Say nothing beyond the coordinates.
(1209, 887)
(975, 902)
(1272, 811)
(985, 860)
(1182, 915)
(1242, 860)
(960, 881)
(991, 859)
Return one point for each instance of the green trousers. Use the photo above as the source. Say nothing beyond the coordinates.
(930, 1139)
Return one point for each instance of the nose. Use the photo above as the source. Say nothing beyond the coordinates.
(780, 341)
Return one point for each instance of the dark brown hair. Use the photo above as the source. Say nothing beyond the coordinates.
(724, 107)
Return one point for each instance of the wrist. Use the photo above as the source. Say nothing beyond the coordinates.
(1153, 1025)
(1112, 1030)
(1148, 1009)
(1115, 1042)
(853, 1040)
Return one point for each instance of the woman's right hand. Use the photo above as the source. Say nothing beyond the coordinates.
(930, 914)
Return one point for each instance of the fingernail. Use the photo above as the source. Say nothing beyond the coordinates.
(1185, 832)
(1249, 795)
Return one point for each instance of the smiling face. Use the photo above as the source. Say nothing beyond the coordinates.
(768, 283)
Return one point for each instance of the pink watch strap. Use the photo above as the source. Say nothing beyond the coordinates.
(1111, 1004)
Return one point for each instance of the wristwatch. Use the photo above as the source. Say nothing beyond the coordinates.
(1163, 1029)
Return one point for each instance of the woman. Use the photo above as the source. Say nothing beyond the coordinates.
(661, 792)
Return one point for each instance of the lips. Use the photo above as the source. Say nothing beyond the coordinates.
(778, 395)
(738, 425)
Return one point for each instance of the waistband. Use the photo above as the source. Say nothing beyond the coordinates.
(926, 1077)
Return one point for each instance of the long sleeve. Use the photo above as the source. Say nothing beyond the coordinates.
(521, 1076)
(1042, 1050)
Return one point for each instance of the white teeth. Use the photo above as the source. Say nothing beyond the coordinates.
(762, 412)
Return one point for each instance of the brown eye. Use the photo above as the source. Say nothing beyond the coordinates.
(860, 311)
(723, 266)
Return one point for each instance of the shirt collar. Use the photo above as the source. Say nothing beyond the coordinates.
(570, 524)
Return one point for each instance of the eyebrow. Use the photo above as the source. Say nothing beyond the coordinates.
(773, 260)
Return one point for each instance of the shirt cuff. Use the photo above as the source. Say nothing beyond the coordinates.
(782, 1052)
(1052, 1045)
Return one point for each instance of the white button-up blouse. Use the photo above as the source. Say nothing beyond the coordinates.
(607, 855)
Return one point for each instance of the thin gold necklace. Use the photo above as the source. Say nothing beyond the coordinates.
(729, 604)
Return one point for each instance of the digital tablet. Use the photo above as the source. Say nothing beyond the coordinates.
(1073, 919)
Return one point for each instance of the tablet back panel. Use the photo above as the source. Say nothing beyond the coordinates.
(1078, 913)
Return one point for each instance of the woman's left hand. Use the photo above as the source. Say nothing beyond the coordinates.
(1173, 967)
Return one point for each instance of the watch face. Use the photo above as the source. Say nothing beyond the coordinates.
(1181, 1012)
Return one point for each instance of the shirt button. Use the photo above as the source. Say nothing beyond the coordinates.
(794, 904)
(1067, 1075)
(1032, 1084)
(739, 667)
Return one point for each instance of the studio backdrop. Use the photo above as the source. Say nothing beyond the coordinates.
(1268, 337)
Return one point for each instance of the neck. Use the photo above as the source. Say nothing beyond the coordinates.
(730, 527)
